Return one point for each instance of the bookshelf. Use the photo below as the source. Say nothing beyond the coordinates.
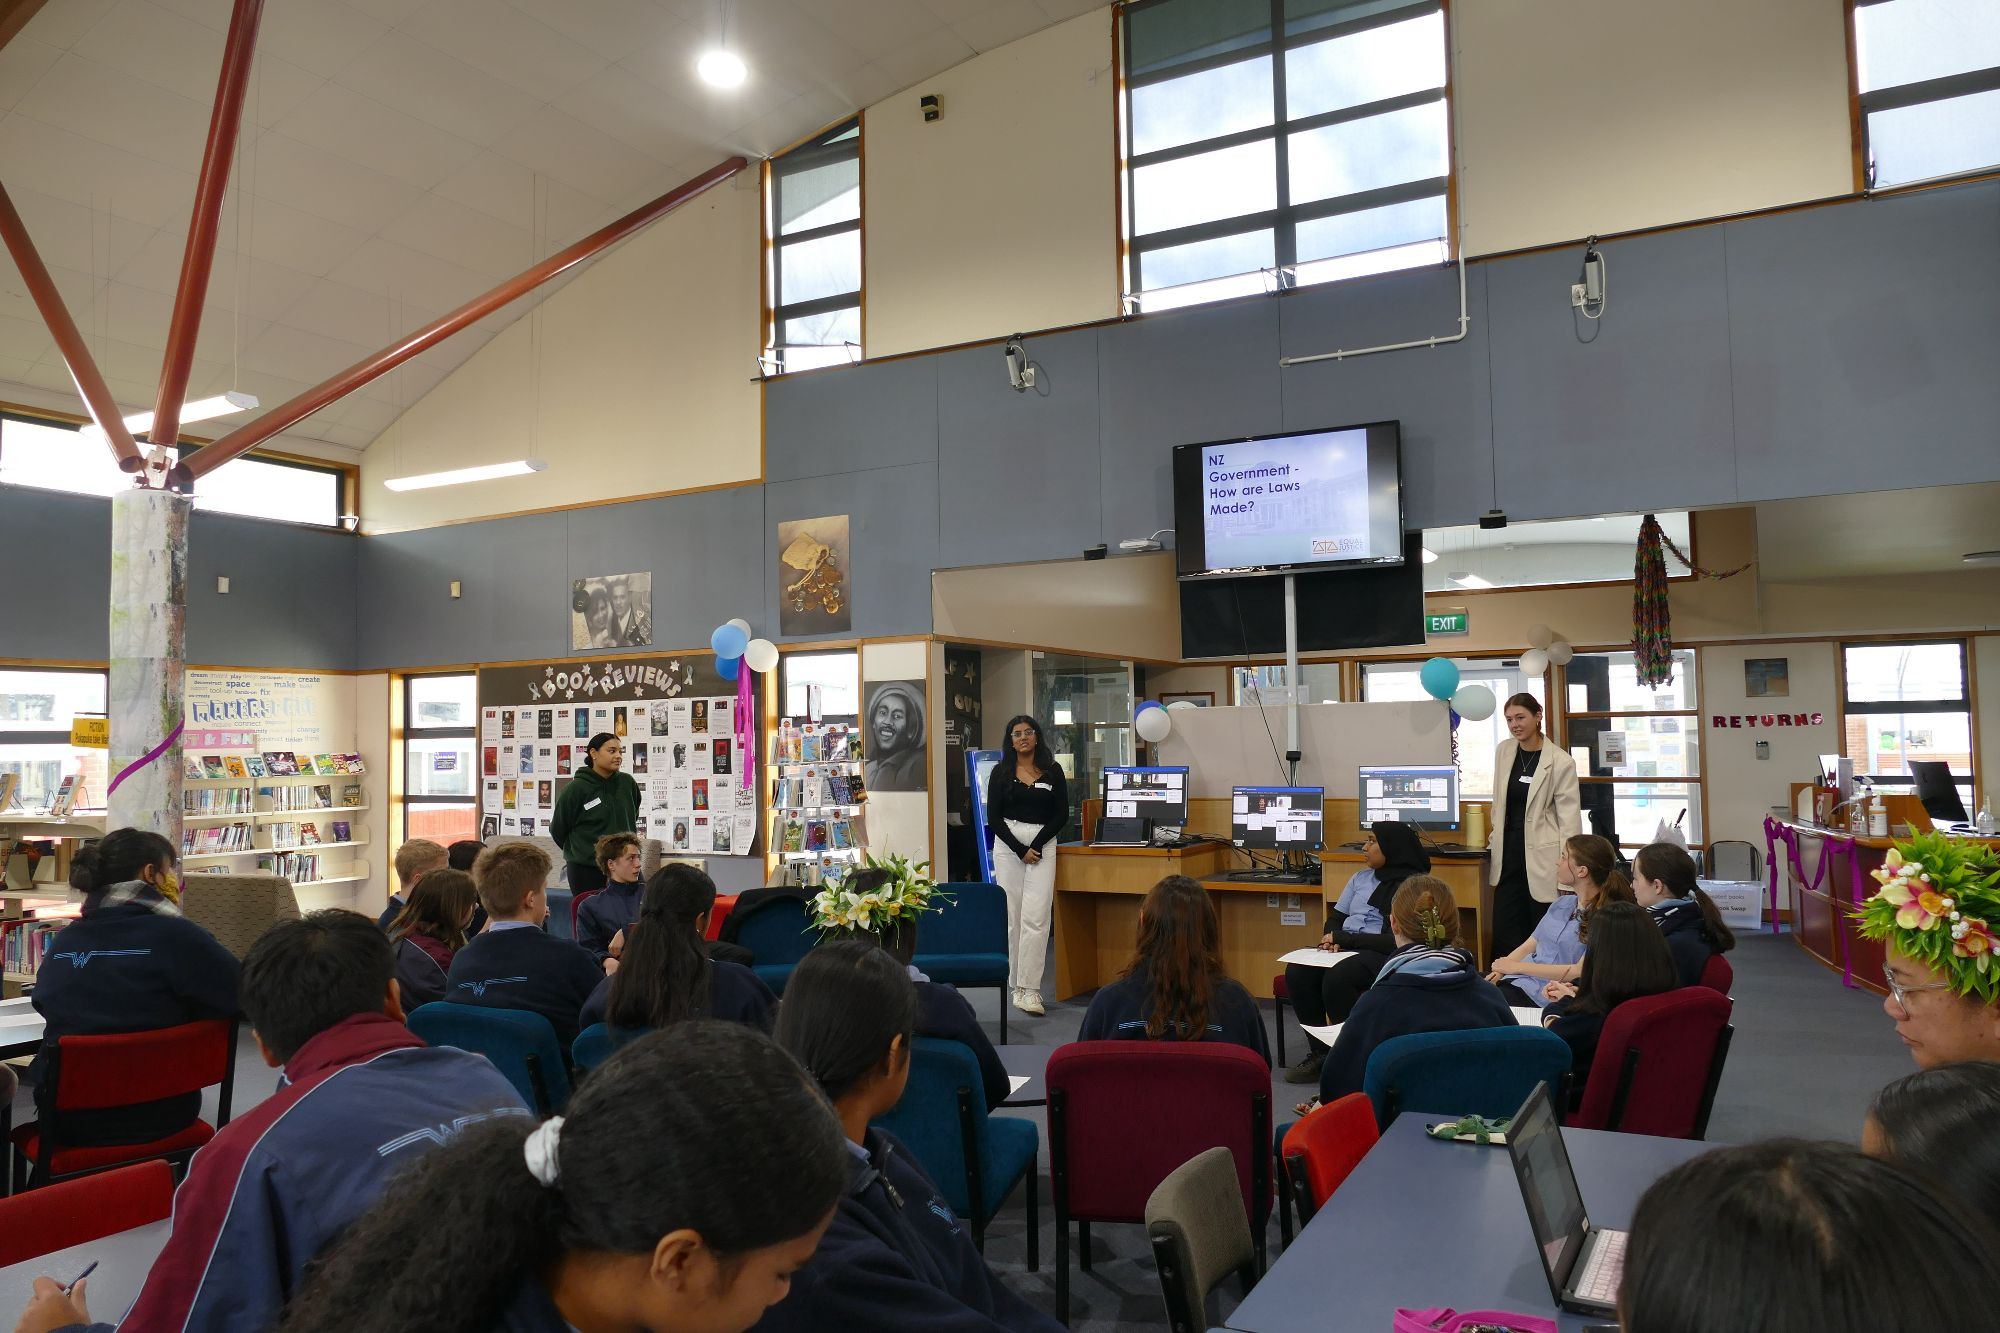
(248, 817)
(816, 836)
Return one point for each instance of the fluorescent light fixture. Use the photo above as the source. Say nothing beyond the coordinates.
(1430, 556)
(520, 467)
(1469, 581)
(722, 69)
(201, 409)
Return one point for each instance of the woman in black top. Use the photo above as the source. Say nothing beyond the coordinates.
(1027, 804)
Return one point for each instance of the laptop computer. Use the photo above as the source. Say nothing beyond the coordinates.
(1123, 832)
(1583, 1263)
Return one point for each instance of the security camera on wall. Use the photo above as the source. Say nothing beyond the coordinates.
(1020, 372)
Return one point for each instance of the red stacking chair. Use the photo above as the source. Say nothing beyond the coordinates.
(121, 1069)
(1124, 1114)
(577, 902)
(1717, 974)
(1658, 1064)
(77, 1211)
(1322, 1148)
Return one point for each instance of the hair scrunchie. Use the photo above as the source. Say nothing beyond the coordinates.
(540, 1152)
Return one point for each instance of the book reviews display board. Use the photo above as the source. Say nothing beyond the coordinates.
(695, 765)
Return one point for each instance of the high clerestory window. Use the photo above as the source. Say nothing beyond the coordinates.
(1274, 143)
(812, 227)
(1927, 88)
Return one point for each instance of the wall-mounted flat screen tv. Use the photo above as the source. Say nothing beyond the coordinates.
(1277, 503)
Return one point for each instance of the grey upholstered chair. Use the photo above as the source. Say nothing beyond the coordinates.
(236, 909)
(1200, 1235)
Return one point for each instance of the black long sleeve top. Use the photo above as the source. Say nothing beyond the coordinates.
(1045, 803)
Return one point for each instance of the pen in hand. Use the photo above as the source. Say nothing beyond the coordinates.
(80, 1277)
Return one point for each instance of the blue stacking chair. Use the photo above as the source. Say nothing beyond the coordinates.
(964, 943)
(598, 1042)
(777, 931)
(975, 1159)
(521, 1045)
(1487, 1071)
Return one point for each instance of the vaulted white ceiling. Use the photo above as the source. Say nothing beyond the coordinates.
(399, 157)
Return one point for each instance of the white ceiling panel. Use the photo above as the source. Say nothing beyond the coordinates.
(410, 276)
(418, 80)
(994, 23)
(508, 44)
(502, 188)
(634, 112)
(63, 23)
(145, 41)
(560, 146)
(22, 62)
(72, 235)
(379, 137)
(23, 339)
(354, 315)
(305, 242)
(320, 35)
(611, 29)
(450, 231)
(99, 103)
(316, 181)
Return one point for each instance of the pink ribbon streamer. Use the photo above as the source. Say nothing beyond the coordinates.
(1775, 833)
(746, 731)
(146, 758)
(1854, 900)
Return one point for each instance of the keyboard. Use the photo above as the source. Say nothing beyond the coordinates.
(1597, 1280)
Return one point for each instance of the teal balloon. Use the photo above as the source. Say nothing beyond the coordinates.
(1440, 679)
(727, 667)
(728, 641)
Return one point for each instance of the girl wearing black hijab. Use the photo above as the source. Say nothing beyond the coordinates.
(1357, 927)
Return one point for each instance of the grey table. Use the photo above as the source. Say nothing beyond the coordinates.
(1031, 1062)
(122, 1263)
(1423, 1223)
(20, 1028)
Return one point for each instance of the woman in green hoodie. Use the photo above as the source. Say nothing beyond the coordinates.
(598, 800)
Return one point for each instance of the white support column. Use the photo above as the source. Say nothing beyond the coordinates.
(149, 539)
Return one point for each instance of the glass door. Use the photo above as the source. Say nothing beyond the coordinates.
(1085, 707)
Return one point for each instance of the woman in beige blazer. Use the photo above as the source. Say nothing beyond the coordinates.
(1536, 808)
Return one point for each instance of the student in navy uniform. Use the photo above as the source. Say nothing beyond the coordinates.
(601, 916)
(1176, 989)
(130, 963)
(1428, 985)
(1664, 883)
(414, 859)
(460, 856)
(665, 976)
(514, 963)
(360, 1100)
(696, 1170)
(430, 931)
(895, 1257)
(1627, 958)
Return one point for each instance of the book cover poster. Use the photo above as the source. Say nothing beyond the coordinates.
(892, 746)
(611, 611)
(813, 560)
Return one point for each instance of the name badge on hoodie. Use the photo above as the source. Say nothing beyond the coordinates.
(593, 803)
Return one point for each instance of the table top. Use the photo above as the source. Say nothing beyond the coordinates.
(20, 1032)
(1031, 1063)
(1351, 1267)
(122, 1262)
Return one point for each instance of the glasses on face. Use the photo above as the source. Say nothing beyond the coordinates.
(1902, 993)
(1021, 734)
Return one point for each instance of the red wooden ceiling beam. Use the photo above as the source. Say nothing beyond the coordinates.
(96, 393)
(254, 433)
(198, 259)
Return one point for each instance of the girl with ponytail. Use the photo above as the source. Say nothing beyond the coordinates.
(1588, 873)
(694, 1173)
(665, 975)
(1428, 985)
(1663, 882)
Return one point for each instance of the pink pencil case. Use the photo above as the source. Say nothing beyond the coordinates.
(1443, 1320)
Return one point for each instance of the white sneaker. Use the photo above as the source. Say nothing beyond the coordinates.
(1029, 1002)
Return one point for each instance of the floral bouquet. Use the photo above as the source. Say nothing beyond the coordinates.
(880, 904)
(1938, 903)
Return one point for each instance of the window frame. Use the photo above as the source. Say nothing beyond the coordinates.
(412, 731)
(1284, 219)
(53, 738)
(1966, 703)
(828, 146)
(1897, 97)
(1693, 727)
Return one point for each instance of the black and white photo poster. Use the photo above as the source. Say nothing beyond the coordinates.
(611, 611)
(893, 754)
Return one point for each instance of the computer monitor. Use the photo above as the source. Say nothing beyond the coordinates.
(1288, 818)
(1424, 796)
(1157, 794)
(1938, 792)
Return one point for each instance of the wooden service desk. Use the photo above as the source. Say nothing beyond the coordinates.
(1098, 892)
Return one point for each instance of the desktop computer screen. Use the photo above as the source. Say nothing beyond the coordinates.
(1422, 795)
(1158, 794)
(1286, 818)
(1935, 788)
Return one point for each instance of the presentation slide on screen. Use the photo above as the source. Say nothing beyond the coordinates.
(1291, 817)
(1286, 502)
(1137, 795)
(1407, 795)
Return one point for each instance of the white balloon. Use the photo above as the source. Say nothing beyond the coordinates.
(741, 624)
(1182, 703)
(1474, 703)
(760, 655)
(1153, 725)
(1540, 636)
(1534, 662)
(1560, 652)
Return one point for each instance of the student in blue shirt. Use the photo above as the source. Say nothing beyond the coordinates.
(695, 1172)
(665, 976)
(514, 963)
(1588, 876)
(1176, 988)
(604, 914)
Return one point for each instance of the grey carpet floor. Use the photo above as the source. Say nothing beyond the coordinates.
(1808, 1055)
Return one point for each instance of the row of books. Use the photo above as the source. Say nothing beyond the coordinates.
(27, 942)
(319, 796)
(817, 743)
(298, 867)
(272, 763)
(307, 834)
(816, 874)
(816, 788)
(216, 801)
(211, 839)
(816, 835)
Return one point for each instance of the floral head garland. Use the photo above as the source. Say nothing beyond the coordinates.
(905, 895)
(1938, 903)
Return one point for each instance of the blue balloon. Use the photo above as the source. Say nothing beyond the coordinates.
(728, 641)
(727, 667)
(1440, 679)
(1144, 704)
(1455, 718)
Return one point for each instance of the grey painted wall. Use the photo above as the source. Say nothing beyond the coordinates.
(1831, 350)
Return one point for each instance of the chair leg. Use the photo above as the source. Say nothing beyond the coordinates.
(1034, 1183)
(1062, 1268)
(1279, 1002)
(1004, 998)
(1284, 1208)
(1083, 1246)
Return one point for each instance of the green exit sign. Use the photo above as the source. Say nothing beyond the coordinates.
(1447, 622)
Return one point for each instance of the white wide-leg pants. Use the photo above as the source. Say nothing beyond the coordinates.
(1031, 896)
